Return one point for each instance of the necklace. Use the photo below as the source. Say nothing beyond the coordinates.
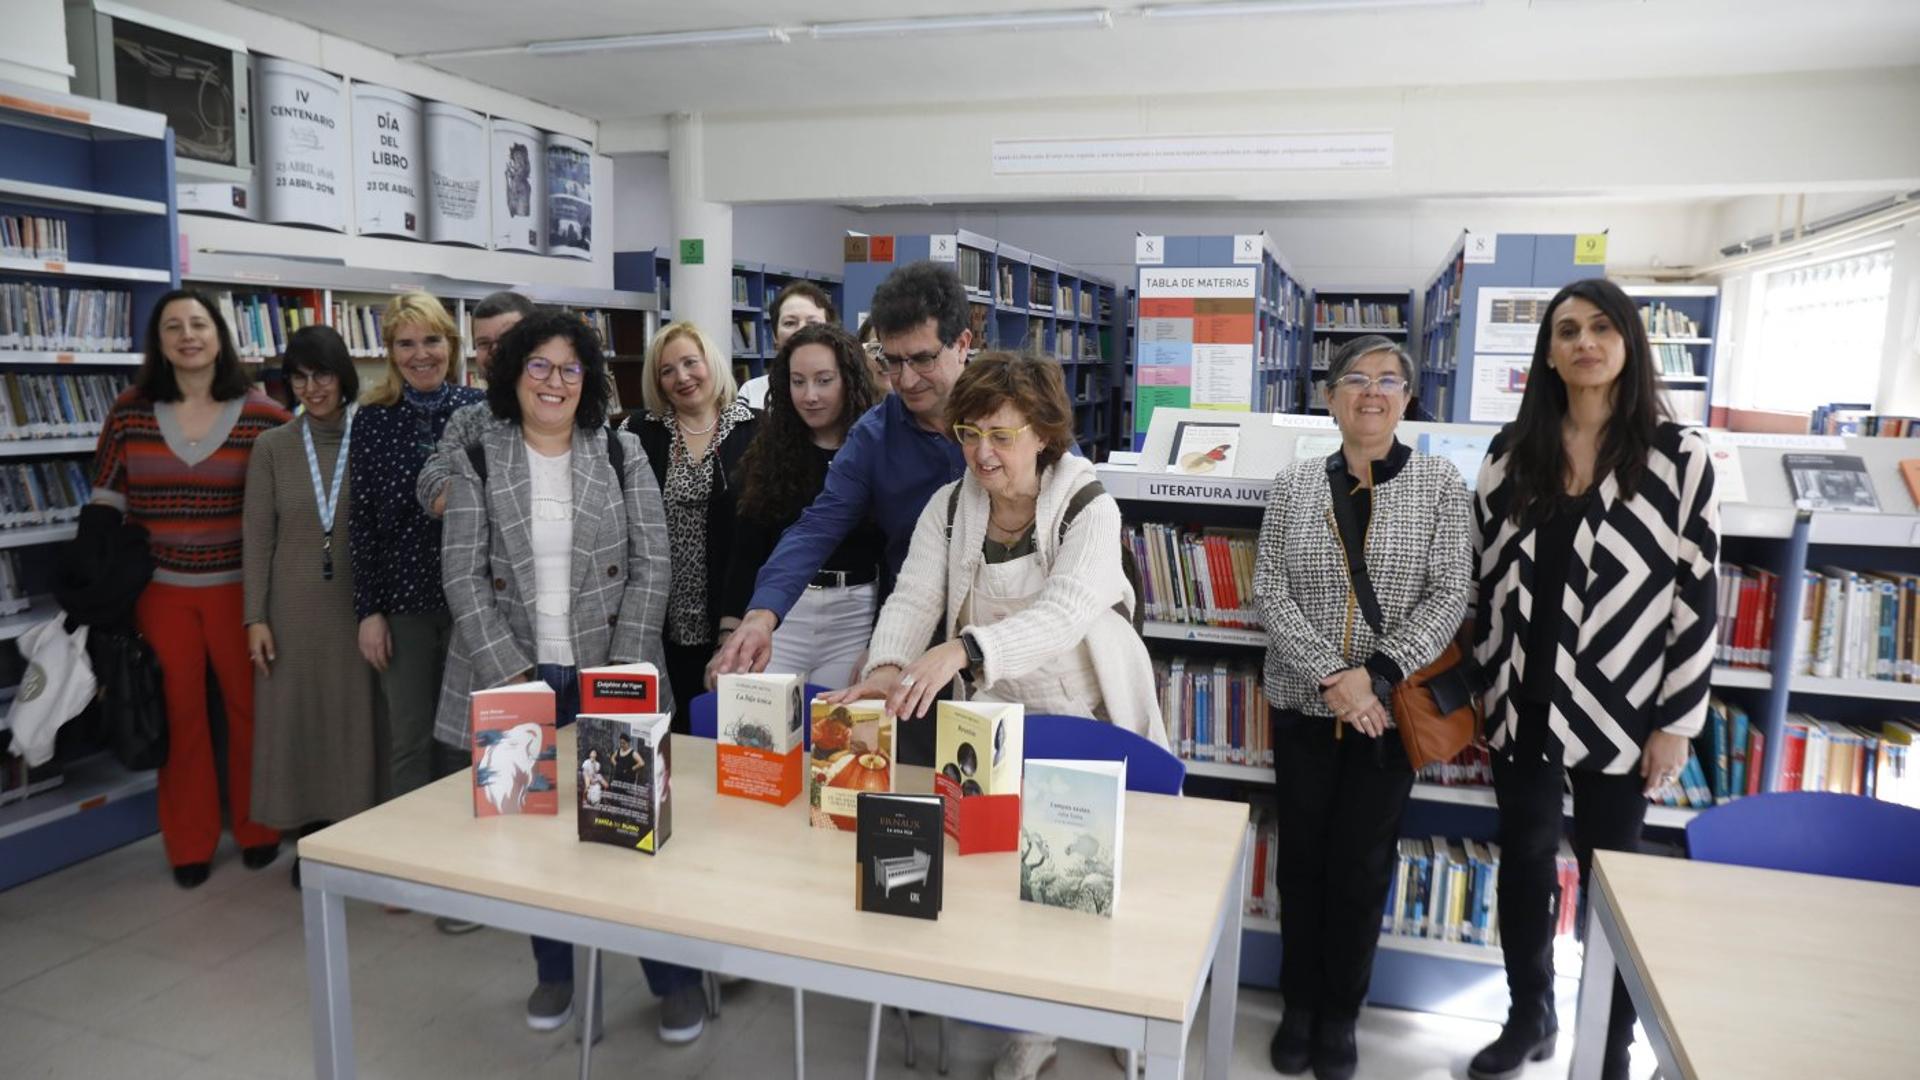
(1017, 529)
(708, 430)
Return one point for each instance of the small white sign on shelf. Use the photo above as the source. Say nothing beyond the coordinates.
(1149, 250)
(1729, 481)
(1246, 249)
(1480, 248)
(1775, 442)
(943, 247)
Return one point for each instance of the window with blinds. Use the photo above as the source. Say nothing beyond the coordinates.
(1822, 328)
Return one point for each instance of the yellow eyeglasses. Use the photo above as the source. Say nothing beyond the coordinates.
(1000, 437)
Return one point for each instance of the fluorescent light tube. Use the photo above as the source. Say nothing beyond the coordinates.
(1239, 8)
(746, 35)
(1090, 19)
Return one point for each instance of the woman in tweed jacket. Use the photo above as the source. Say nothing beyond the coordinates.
(552, 563)
(1342, 776)
(1598, 532)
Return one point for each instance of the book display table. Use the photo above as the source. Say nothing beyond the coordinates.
(748, 889)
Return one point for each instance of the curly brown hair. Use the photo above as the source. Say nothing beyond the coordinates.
(1035, 385)
(780, 473)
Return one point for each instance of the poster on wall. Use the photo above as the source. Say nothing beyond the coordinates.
(1499, 382)
(519, 188)
(1195, 340)
(303, 147)
(1509, 318)
(569, 197)
(387, 172)
(457, 191)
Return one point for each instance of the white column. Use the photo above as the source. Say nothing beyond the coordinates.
(702, 294)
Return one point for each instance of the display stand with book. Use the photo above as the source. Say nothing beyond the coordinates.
(1016, 300)
(87, 188)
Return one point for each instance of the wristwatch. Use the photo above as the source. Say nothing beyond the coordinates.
(976, 660)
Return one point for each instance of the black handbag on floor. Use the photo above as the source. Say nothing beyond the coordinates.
(132, 707)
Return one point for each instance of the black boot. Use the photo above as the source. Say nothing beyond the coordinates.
(1335, 1056)
(1292, 1049)
(192, 875)
(259, 855)
(1520, 1041)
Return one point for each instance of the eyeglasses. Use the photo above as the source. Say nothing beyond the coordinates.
(871, 348)
(539, 368)
(1360, 383)
(298, 379)
(1000, 438)
(920, 362)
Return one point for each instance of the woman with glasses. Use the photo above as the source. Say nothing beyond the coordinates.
(1340, 770)
(1016, 569)
(555, 560)
(870, 348)
(695, 431)
(314, 758)
(395, 545)
(818, 388)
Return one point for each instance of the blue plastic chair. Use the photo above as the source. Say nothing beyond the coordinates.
(1150, 768)
(1812, 832)
(704, 716)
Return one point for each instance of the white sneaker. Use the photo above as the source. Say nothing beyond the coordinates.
(1025, 1057)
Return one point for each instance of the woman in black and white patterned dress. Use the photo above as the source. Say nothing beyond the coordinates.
(695, 431)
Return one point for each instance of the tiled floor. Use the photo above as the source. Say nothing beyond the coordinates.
(108, 970)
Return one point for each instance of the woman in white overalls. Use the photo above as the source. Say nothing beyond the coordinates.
(1017, 567)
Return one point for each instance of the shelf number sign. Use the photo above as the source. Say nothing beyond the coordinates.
(1480, 248)
(1246, 249)
(1149, 250)
(1590, 249)
(943, 247)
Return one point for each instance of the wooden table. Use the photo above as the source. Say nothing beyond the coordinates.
(1745, 974)
(744, 888)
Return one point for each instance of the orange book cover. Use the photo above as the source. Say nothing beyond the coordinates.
(514, 759)
(852, 752)
(758, 738)
(1910, 472)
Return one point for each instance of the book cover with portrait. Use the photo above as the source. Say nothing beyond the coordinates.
(976, 757)
(852, 752)
(626, 788)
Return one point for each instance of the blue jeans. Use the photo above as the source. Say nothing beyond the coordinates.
(555, 958)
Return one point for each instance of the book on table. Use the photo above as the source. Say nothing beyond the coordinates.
(1835, 482)
(853, 748)
(897, 849)
(758, 751)
(514, 768)
(977, 755)
(626, 789)
(620, 688)
(1072, 817)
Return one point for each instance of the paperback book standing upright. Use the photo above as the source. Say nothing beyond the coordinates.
(514, 768)
(978, 749)
(758, 751)
(852, 752)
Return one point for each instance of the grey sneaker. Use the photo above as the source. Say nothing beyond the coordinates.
(450, 925)
(550, 1005)
(683, 1014)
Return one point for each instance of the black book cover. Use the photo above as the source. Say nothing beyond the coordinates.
(900, 839)
(1837, 482)
(625, 788)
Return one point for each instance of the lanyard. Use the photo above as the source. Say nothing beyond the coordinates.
(327, 501)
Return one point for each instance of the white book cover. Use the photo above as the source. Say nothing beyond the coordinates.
(1072, 822)
(759, 711)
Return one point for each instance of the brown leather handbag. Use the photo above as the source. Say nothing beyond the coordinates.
(1436, 708)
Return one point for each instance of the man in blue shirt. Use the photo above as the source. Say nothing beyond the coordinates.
(894, 458)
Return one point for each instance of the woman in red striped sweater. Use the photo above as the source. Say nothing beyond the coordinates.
(173, 457)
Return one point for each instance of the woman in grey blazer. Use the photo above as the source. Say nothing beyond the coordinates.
(554, 558)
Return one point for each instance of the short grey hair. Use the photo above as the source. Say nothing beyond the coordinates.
(1365, 345)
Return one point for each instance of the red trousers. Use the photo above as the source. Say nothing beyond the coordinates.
(188, 629)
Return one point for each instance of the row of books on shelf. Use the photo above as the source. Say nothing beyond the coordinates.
(746, 334)
(1744, 634)
(1449, 890)
(1662, 320)
(55, 406)
(1040, 292)
(1356, 314)
(1196, 576)
(601, 322)
(50, 318)
(1856, 418)
(31, 236)
(971, 264)
(1673, 359)
(359, 327)
(42, 492)
(1216, 711)
(1859, 625)
(740, 290)
(1850, 759)
(261, 322)
(13, 595)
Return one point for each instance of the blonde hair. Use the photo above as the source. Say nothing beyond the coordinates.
(719, 371)
(413, 307)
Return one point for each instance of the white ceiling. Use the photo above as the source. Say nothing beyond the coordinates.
(1500, 41)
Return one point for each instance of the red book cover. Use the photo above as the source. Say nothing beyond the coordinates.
(1793, 756)
(1763, 618)
(978, 751)
(1743, 639)
(1224, 596)
(514, 758)
(1756, 762)
(619, 689)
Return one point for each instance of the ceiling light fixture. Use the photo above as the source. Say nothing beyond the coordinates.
(746, 35)
(1236, 8)
(1089, 19)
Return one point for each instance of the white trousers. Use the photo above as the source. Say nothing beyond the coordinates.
(824, 635)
